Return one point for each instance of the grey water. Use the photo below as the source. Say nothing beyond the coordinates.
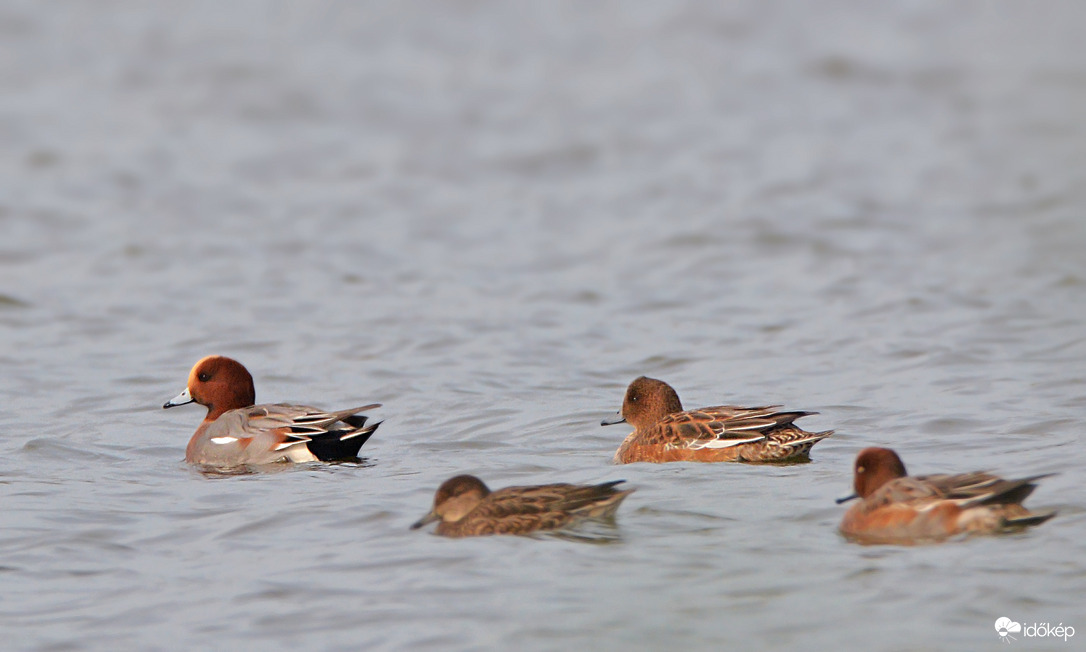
(490, 217)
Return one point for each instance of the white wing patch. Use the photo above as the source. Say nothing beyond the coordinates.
(223, 440)
(722, 443)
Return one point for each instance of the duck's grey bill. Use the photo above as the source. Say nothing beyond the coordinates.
(429, 518)
(181, 399)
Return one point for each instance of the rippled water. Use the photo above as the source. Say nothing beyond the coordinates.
(490, 218)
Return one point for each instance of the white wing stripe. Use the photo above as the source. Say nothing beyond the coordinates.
(722, 443)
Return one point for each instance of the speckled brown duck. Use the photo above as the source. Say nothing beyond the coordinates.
(466, 507)
(664, 432)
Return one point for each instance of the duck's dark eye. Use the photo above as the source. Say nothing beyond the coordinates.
(633, 399)
(203, 377)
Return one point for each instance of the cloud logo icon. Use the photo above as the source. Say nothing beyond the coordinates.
(1005, 627)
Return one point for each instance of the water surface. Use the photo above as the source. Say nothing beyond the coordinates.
(490, 218)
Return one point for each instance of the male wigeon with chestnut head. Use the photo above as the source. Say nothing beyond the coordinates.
(236, 432)
(664, 432)
(897, 508)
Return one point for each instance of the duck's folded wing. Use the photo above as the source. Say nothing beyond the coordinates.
(981, 488)
(525, 500)
(757, 419)
(546, 506)
(287, 424)
(917, 493)
(717, 427)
